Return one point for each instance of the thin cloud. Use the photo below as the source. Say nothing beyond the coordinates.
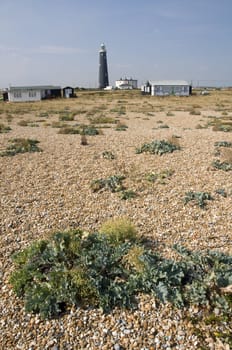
(43, 49)
(57, 50)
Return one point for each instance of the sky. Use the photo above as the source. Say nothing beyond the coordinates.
(57, 42)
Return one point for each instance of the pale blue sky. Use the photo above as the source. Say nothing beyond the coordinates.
(57, 41)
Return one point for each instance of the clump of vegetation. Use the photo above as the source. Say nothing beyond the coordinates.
(226, 166)
(27, 123)
(23, 122)
(59, 125)
(119, 230)
(21, 145)
(108, 155)
(89, 130)
(160, 177)
(158, 147)
(102, 119)
(223, 144)
(221, 124)
(4, 128)
(222, 192)
(113, 184)
(199, 198)
(128, 194)
(121, 110)
(163, 126)
(224, 150)
(70, 269)
(66, 117)
(79, 129)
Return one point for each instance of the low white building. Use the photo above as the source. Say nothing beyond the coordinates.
(126, 84)
(167, 88)
(32, 93)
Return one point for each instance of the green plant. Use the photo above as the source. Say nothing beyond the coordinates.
(4, 128)
(102, 119)
(69, 130)
(128, 194)
(223, 144)
(226, 166)
(112, 183)
(221, 191)
(21, 145)
(111, 268)
(158, 147)
(161, 176)
(221, 124)
(89, 130)
(119, 230)
(108, 155)
(66, 116)
(163, 126)
(198, 197)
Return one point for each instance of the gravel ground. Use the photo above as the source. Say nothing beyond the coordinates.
(48, 191)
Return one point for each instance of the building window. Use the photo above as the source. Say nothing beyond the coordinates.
(17, 94)
(32, 93)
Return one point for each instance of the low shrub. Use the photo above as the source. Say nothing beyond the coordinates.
(111, 268)
(102, 119)
(112, 183)
(89, 130)
(158, 147)
(66, 117)
(222, 192)
(226, 166)
(163, 126)
(4, 128)
(21, 145)
(119, 230)
(128, 194)
(108, 155)
(160, 177)
(79, 129)
(199, 198)
(223, 144)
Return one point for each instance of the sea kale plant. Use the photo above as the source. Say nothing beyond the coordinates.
(199, 198)
(113, 183)
(21, 145)
(69, 269)
(158, 147)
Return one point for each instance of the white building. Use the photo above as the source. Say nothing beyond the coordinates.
(126, 84)
(167, 87)
(32, 93)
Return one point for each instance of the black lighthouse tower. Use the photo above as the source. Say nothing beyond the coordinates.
(103, 70)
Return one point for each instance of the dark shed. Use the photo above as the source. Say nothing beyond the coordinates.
(68, 92)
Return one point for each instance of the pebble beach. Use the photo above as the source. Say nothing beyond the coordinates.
(49, 191)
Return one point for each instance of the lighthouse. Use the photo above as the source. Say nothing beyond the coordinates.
(103, 70)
